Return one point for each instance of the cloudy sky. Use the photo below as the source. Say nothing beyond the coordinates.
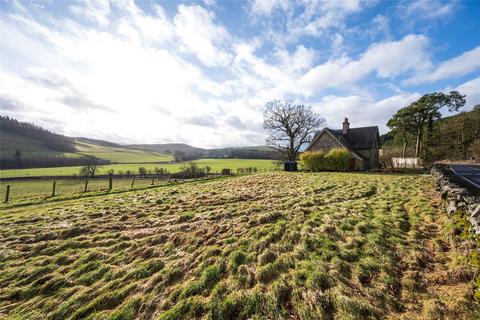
(200, 72)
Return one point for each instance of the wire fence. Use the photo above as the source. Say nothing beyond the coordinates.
(28, 189)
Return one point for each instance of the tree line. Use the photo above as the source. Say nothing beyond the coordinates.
(235, 153)
(421, 130)
(52, 140)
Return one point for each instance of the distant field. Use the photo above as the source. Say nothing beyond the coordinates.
(120, 154)
(215, 164)
(266, 246)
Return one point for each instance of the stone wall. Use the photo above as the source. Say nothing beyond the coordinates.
(325, 143)
(457, 196)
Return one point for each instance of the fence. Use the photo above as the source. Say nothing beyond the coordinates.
(21, 189)
(38, 188)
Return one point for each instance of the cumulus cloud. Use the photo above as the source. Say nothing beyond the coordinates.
(386, 59)
(362, 111)
(200, 35)
(472, 91)
(463, 64)
(182, 75)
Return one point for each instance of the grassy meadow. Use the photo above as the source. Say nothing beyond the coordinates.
(120, 154)
(215, 164)
(263, 246)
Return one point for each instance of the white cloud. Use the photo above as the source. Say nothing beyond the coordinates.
(463, 64)
(472, 91)
(147, 76)
(201, 36)
(95, 10)
(267, 7)
(362, 111)
(427, 9)
(386, 59)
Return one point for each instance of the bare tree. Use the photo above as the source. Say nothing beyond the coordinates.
(89, 168)
(290, 126)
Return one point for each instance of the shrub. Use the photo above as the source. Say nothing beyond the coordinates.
(142, 170)
(336, 159)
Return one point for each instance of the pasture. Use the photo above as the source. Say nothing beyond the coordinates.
(120, 154)
(270, 245)
(216, 164)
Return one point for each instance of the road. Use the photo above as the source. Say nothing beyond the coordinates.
(469, 173)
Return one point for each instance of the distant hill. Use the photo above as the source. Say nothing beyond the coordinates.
(25, 145)
(97, 142)
(166, 147)
(187, 152)
(38, 147)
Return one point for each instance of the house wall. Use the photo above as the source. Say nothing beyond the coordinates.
(325, 143)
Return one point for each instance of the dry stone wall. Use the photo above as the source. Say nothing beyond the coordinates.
(457, 196)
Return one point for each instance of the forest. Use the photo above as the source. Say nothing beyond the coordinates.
(421, 130)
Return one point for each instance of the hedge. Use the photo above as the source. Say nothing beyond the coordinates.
(336, 159)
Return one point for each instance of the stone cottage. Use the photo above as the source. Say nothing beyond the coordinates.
(363, 144)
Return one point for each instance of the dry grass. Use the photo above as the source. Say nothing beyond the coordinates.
(301, 246)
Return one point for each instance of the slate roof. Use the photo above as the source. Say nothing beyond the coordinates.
(359, 138)
(355, 139)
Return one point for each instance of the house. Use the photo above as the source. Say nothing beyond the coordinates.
(362, 143)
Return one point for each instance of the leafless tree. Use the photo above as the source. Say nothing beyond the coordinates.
(89, 168)
(290, 126)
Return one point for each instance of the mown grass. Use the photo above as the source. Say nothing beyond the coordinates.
(275, 246)
(215, 164)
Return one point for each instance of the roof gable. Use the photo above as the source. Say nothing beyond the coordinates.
(337, 138)
(360, 138)
(355, 139)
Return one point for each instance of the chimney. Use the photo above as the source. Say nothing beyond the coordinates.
(346, 126)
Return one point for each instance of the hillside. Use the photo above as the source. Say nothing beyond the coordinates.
(189, 152)
(166, 147)
(456, 137)
(118, 154)
(29, 147)
(41, 148)
(38, 147)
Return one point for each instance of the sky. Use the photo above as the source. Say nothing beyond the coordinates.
(200, 72)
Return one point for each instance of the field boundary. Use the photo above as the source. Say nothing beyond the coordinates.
(105, 192)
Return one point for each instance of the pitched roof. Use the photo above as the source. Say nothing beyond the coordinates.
(359, 138)
(355, 139)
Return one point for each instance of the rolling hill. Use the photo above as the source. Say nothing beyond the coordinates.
(41, 148)
(250, 152)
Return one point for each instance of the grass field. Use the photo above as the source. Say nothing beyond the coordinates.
(121, 155)
(215, 164)
(265, 246)
(41, 190)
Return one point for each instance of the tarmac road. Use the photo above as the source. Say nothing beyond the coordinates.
(468, 173)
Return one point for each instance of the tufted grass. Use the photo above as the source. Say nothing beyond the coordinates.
(275, 245)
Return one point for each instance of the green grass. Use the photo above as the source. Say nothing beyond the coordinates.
(120, 154)
(10, 143)
(215, 164)
(264, 246)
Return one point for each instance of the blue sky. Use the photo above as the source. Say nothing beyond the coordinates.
(200, 72)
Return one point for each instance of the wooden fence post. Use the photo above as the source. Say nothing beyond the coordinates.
(7, 194)
(133, 182)
(153, 181)
(53, 188)
(86, 185)
(110, 182)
